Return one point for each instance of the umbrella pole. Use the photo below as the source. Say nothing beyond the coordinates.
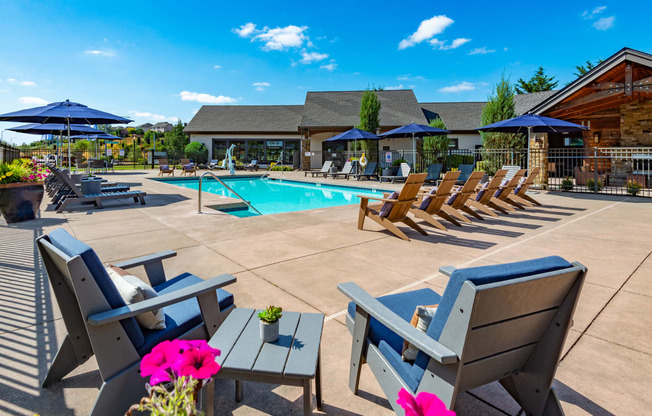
(69, 159)
(529, 133)
(414, 153)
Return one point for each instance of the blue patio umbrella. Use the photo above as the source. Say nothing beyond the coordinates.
(63, 112)
(415, 130)
(532, 123)
(355, 135)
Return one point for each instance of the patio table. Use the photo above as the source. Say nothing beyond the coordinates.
(294, 359)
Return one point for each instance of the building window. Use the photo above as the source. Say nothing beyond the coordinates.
(453, 144)
(273, 148)
(290, 147)
(255, 150)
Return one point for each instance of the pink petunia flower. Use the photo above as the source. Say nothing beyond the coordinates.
(424, 404)
(160, 358)
(199, 364)
(200, 345)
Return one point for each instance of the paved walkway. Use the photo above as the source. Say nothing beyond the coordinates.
(296, 260)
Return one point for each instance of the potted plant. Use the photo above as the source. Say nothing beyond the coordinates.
(633, 188)
(269, 322)
(21, 190)
(567, 184)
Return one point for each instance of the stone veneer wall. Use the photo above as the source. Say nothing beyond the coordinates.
(636, 124)
(539, 152)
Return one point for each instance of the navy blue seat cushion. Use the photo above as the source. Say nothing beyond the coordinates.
(426, 200)
(499, 191)
(180, 317)
(481, 276)
(73, 247)
(403, 368)
(402, 304)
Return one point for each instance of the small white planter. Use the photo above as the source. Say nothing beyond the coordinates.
(268, 332)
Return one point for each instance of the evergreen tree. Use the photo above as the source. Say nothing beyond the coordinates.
(437, 144)
(539, 82)
(582, 69)
(370, 121)
(500, 106)
(176, 141)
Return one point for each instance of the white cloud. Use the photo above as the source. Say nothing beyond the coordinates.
(481, 51)
(462, 86)
(590, 14)
(206, 98)
(151, 116)
(27, 83)
(441, 44)
(11, 80)
(4, 91)
(260, 86)
(282, 38)
(604, 23)
(329, 67)
(36, 101)
(426, 30)
(396, 87)
(245, 30)
(97, 52)
(309, 57)
(217, 66)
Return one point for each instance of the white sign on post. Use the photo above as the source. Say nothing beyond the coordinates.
(109, 152)
(307, 153)
(122, 152)
(388, 157)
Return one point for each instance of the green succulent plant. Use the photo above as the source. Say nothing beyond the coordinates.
(271, 314)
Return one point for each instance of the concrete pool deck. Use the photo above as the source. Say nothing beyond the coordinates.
(295, 260)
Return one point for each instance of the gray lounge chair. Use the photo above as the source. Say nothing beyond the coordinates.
(404, 172)
(511, 171)
(434, 171)
(325, 170)
(505, 323)
(347, 170)
(369, 172)
(465, 172)
(76, 196)
(99, 323)
(252, 166)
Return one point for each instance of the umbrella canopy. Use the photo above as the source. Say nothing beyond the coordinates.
(63, 112)
(54, 128)
(101, 135)
(354, 134)
(415, 130)
(532, 123)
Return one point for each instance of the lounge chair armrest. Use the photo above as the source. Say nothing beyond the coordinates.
(396, 324)
(141, 261)
(447, 270)
(148, 305)
(377, 199)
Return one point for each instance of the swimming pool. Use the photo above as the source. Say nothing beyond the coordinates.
(273, 196)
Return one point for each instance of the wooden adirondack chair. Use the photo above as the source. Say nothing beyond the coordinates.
(99, 323)
(505, 323)
(457, 200)
(482, 201)
(188, 168)
(431, 203)
(165, 168)
(519, 197)
(393, 210)
(506, 189)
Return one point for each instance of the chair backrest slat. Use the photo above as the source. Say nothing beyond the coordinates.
(370, 169)
(511, 170)
(434, 170)
(467, 189)
(347, 168)
(405, 170)
(493, 186)
(407, 196)
(525, 185)
(327, 166)
(443, 192)
(465, 171)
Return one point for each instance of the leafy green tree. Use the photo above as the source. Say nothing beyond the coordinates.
(500, 106)
(81, 146)
(438, 144)
(370, 121)
(584, 68)
(197, 152)
(539, 82)
(176, 141)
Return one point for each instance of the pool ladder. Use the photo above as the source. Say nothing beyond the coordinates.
(271, 166)
(227, 187)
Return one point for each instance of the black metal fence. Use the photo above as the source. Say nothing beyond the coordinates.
(120, 159)
(613, 170)
(8, 153)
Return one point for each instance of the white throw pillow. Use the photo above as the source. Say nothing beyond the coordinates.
(423, 315)
(134, 290)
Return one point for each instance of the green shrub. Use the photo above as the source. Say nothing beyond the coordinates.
(197, 152)
(591, 185)
(567, 184)
(398, 162)
(281, 168)
(457, 160)
(633, 188)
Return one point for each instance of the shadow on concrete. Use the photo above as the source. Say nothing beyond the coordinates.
(568, 395)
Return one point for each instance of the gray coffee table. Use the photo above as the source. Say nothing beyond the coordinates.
(294, 359)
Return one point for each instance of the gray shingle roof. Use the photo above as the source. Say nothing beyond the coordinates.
(246, 118)
(464, 116)
(162, 124)
(525, 102)
(342, 108)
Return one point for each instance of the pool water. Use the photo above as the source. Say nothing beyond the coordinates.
(271, 196)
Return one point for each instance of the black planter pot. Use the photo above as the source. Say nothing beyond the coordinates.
(20, 201)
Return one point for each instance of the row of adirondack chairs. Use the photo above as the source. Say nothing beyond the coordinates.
(447, 202)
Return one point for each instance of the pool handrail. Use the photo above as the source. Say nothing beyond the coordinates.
(224, 185)
(271, 165)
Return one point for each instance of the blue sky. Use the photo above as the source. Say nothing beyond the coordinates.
(153, 61)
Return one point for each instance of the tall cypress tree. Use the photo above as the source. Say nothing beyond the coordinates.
(370, 121)
(500, 106)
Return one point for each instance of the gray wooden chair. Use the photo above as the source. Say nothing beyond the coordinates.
(99, 323)
(501, 322)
